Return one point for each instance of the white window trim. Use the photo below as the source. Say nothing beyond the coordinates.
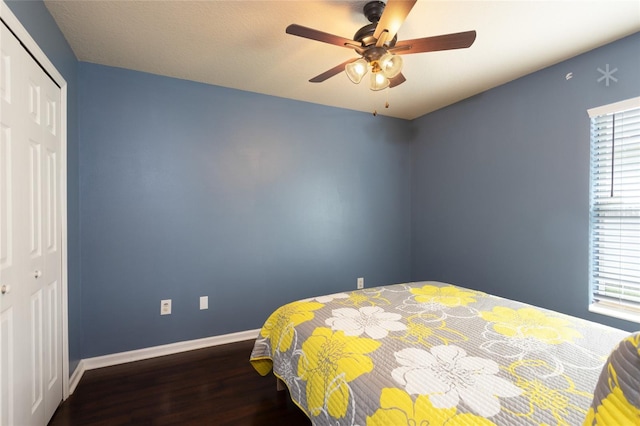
(614, 107)
(603, 308)
(613, 311)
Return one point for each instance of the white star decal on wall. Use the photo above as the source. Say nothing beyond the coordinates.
(607, 75)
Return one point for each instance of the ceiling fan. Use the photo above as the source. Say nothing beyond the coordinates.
(378, 46)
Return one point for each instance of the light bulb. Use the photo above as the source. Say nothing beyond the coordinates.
(378, 81)
(356, 70)
(390, 65)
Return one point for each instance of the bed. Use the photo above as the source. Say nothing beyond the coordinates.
(434, 353)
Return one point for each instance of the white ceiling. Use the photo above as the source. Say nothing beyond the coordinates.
(243, 45)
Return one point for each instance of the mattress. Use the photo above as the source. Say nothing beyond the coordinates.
(433, 353)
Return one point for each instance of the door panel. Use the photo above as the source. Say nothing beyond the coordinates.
(35, 354)
(14, 304)
(52, 324)
(7, 368)
(50, 281)
(52, 202)
(35, 197)
(30, 255)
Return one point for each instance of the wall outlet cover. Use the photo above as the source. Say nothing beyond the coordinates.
(165, 307)
(204, 302)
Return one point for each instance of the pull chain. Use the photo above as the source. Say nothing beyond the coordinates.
(386, 102)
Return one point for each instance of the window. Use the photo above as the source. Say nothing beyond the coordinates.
(615, 210)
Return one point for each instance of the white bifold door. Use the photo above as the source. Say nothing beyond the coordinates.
(30, 239)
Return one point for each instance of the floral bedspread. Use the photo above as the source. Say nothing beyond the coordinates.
(617, 395)
(433, 353)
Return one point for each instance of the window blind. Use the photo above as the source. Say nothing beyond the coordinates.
(615, 211)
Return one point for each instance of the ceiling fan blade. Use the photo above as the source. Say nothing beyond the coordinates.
(310, 33)
(432, 44)
(397, 80)
(395, 12)
(333, 71)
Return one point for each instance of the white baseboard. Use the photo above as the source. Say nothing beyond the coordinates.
(76, 376)
(155, 351)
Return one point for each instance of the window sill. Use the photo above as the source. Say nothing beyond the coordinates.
(615, 312)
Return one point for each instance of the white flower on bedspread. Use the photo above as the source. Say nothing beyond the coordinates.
(329, 297)
(370, 320)
(448, 375)
(397, 288)
(326, 298)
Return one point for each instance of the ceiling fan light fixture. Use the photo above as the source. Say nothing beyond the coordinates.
(374, 43)
(390, 65)
(378, 81)
(356, 70)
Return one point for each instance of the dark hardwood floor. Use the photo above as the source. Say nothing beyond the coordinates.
(212, 386)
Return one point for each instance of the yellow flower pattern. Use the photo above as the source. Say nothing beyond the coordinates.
(280, 326)
(535, 366)
(614, 410)
(557, 397)
(620, 404)
(530, 323)
(361, 299)
(449, 296)
(331, 361)
(429, 334)
(397, 408)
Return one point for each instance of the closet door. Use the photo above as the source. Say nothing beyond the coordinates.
(30, 255)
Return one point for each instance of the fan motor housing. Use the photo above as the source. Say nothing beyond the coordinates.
(365, 36)
(372, 11)
(373, 53)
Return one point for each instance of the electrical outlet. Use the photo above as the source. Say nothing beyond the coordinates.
(360, 283)
(165, 307)
(204, 302)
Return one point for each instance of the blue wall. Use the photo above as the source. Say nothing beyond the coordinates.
(192, 190)
(501, 183)
(36, 19)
